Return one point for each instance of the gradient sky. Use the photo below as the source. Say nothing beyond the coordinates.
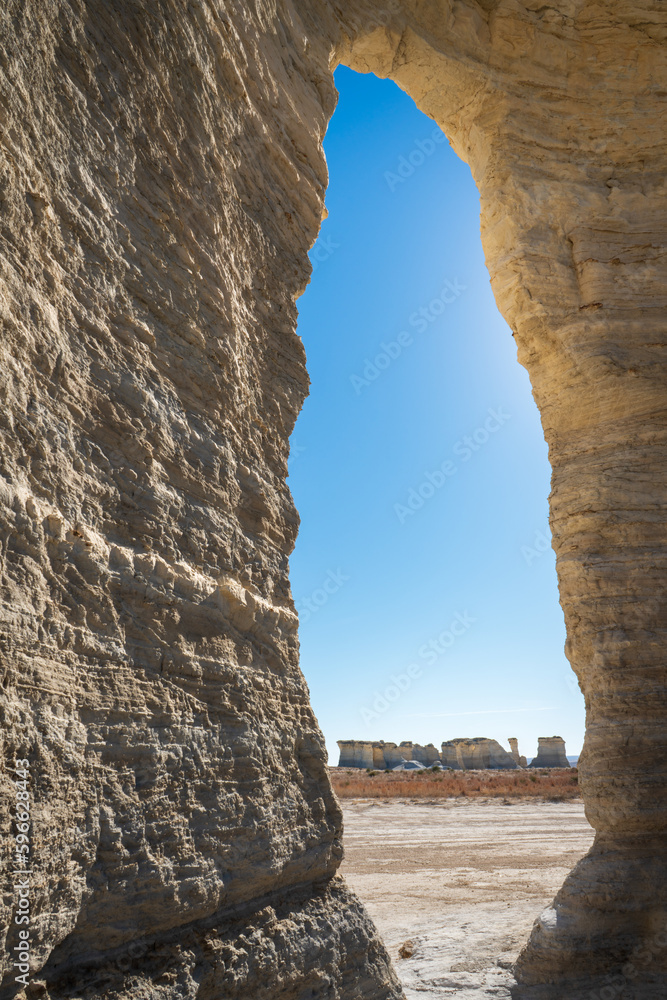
(423, 571)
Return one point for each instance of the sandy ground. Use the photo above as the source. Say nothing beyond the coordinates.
(463, 880)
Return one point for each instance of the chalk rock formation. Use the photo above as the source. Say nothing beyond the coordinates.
(391, 754)
(162, 179)
(514, 751)
(476, 754)
(381, 755)
(557, 109)
(550, 752)
(427, 755)
(356, 753)
(479, 753)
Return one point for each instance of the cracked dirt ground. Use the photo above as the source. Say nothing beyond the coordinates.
(462, 880)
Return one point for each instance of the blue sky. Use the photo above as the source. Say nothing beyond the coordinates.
(423, 571)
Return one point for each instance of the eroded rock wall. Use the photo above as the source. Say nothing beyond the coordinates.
(427, 755)
(476, 754)
(358, 753)
(381, 755)
(162, 179)
(558, 111)
(550, 752)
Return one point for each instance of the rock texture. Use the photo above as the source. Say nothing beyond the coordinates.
(550, 752)
(559, 112)
(476, 754)
(162, 178)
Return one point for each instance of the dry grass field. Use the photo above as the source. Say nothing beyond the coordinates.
(552, 785)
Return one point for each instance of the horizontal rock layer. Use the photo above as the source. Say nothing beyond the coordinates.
(160, 188)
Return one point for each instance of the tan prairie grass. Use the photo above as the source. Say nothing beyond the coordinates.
(554, 784)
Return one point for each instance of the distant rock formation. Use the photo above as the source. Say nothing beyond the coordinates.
(477, 754)
(462, 754)
(428, 755)
(379, 755)
(514, 751)
(550, 753)
(355, 753)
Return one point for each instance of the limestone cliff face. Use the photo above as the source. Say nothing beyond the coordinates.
(381, 755)
(476, 754)
(427, 755)
(162, 178)
(359, 753)
(550, 752)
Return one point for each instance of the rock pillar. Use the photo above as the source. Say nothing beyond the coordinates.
(550, 752)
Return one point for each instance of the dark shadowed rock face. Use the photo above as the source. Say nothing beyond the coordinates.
(162, 178)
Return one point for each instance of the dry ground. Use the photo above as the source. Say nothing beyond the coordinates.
(462, 879)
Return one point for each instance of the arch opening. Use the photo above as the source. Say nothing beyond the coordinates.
(409, 361)
(546, 207)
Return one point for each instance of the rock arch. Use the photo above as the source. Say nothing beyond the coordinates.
(162, 179)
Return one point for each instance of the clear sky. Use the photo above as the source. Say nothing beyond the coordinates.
(423, 571)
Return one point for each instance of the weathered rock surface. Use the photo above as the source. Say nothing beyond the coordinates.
(161, 179)
(476, 754)
(550, 752)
